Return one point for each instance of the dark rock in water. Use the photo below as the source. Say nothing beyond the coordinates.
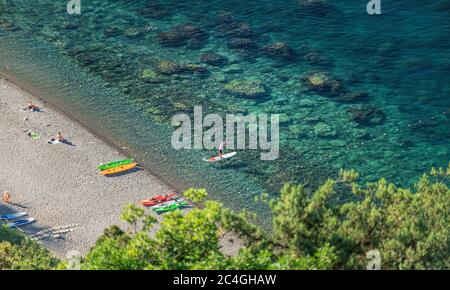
(321, 82)
(70, 25)
(166, 67)
(353, 78)
(242, 43)
(246, 88)
(279, 50)
(155, 11)
(132, 32)
(171, 39)
(316, 59)
(367, 115)
(223, 18)
(353, 97)
(212, 58)
(8, 25)
(111, 31)
(193, 68)
(427, 128)
(318, 7)
(151, 76)
(236, 29)
(181, 35)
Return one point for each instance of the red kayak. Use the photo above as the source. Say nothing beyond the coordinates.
(158, 199)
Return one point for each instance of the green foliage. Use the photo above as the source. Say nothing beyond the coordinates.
(20, 253)
(310, 230)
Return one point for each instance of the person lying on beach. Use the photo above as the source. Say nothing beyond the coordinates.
(59, 139)
(32, 107)
(6, 197)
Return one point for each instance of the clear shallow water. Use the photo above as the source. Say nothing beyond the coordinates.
(401, 60)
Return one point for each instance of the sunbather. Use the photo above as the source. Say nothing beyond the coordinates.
(6, 197)
(32, 107)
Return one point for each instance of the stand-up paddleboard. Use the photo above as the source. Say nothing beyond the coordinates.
(12, 216)
(220, 158)
(113, 164)
(20, 223)
(119, 169)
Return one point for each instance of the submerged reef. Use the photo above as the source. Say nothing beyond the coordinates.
(321, 82)
(367, 115)
(246, 88)
(279, 50)
(183, 35)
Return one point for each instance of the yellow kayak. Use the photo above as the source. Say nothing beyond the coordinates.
(118, 169)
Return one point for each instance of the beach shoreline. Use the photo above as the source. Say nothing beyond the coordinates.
(59, 185)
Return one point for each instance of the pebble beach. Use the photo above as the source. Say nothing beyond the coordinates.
(60, 185)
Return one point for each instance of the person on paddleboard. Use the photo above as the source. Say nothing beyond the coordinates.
(221, 147)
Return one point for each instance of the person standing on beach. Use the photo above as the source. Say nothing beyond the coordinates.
(6, 197)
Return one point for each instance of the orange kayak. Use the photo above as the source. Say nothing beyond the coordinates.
(119, 169)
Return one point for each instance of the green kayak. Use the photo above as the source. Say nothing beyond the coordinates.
(114, 164)
(170, 207)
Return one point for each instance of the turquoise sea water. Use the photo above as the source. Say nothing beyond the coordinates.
(126, 67)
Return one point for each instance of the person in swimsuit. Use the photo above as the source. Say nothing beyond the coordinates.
(59, 139)
(6, 197)
(32, 107)
(221, 147)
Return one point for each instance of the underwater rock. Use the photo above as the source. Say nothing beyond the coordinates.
(321, 82)
(111, 31)
(313, 120)
(278, 50)
(155, 11)
(233, 69)
(171, 39)
(223, 18)
(151, 76)
(246, 88)
(192, 68)
(8, 25)
(242, 43)
(319, 7)
(181, 35)
(367, 115)
(316, 58)
(353, 97)
(324, 130)
(132, 32)
(214, 59)
(235, 30)
(70, 25)
(297, 130)
(166, 67)
(220, 77)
